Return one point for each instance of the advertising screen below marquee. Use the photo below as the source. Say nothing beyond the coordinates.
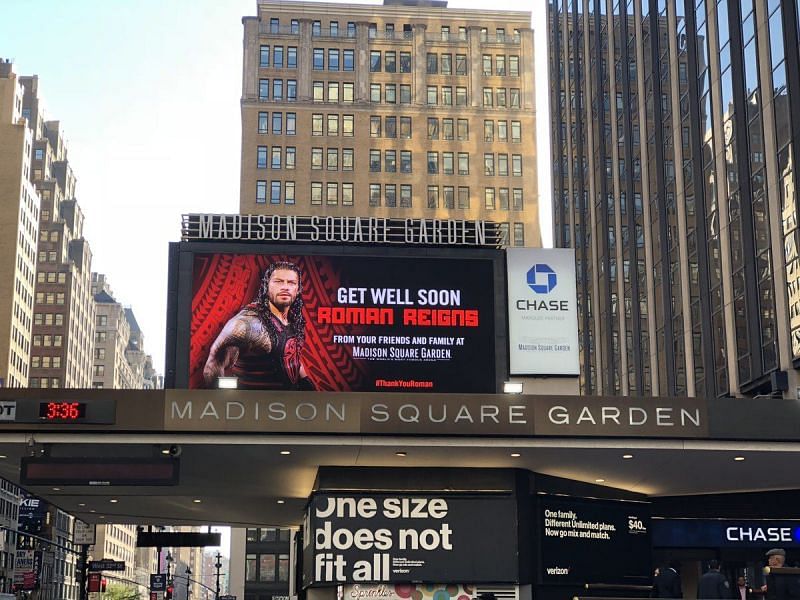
(343, 323)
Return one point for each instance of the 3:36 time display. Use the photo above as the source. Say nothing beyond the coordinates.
(62, 411)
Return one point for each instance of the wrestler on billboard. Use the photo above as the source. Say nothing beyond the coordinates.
(262, 344)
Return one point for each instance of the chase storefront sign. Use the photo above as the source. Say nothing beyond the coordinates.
(432, 414)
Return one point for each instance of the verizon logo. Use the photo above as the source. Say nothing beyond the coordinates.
(557, 571)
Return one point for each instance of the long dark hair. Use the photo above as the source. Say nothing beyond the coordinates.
(296, 318)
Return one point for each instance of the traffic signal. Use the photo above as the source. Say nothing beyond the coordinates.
(103, 583)
(170, 589)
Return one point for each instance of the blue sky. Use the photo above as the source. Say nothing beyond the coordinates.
(147, 92)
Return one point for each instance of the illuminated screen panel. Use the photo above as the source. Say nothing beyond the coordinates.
(343, 323)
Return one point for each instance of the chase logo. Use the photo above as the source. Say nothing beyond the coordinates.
(542, 279)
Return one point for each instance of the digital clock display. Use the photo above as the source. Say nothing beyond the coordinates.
(62, 411)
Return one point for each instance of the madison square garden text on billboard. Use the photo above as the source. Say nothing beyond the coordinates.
(343, 322)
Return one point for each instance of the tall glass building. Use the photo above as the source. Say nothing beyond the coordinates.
(675, 131)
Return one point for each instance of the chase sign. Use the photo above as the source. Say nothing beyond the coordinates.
(542, 279)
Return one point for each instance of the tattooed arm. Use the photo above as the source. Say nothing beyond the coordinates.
(244, 332)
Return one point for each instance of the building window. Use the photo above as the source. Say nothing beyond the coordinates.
(502, 165)
(405, 93)
(332, 159)
(463, 129)
(333, 125)
(501, 97)
(390, 93)
(348, 60)
(447, 95)
(332, 196)
(274, 25)
(489, 199)
(519, 234)
(261, 157)
(447, 129)
(263, 122)
(405, 196)
(374, 161)
(351, 29)
(433, 128)
(405, 128)
(347, 125)
(515, 98)
(263, 89)
(487, 65)
(461, 96)
(447, 64)
(277, 57)
(390, 193)
(433, 196)
(433, 93)
(291, 123)
(500, 65)
(448, 196)
(316, 192)
(432, 63)
(316, 124)
(390, 61)
(348, 92)
(517, 199)
(261, 192)
(390, 127)
(347, 159)
(333, 59)
(516, 165)
(316, 158)
(263, 62)
(447, 163)
(291, 57)
(433, 163)
(461, 64)
(502, 131)
(390, 161)
(277, 123)
(333, 91)
(488, 130)
(275, 163)
(488, 164)
(374, 194)
(374, 61)
(405, 62)
(266, 567)
(374, 92)
(463, 163)
(375, 127)
(318, 88)
(502, 196)
(347, 194)
(291, 90)
(487, 96)
(463, 198)
(319, 59)
(294, 26)
(405, 161)
(289, 192)
(275, 192)
(513, 66)
(516, 132)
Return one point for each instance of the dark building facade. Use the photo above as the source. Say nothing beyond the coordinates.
(267, 563)
(674, 140)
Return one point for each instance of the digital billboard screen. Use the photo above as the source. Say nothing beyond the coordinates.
(343, 322)
(384, 538)
(585, 540)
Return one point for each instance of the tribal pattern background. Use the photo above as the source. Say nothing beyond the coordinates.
(224, 283)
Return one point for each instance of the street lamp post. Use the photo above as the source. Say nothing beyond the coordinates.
(218, 566)
(188, 579)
